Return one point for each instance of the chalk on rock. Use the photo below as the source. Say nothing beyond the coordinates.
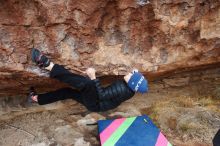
(143, 2)
(36, 70)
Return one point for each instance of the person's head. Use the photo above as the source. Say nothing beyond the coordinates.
(136, 81)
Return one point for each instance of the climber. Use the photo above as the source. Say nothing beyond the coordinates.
(87, 90)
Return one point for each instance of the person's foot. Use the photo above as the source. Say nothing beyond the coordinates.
(32, 97)
(39, 58)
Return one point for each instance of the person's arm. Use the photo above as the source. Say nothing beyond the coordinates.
(91, 74)
(99, 89)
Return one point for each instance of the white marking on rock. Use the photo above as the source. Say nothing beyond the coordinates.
(142, 2)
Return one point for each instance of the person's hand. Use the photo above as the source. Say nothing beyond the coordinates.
(127, 77)
(91, 73)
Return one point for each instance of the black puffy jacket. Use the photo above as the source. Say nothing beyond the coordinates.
(113, 95)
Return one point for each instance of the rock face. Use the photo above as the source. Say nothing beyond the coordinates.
(186, 113)
(156, 36)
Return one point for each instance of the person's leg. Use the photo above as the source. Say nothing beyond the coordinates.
(60, 73)
(60, 94)
(57, 71)
(90, 102)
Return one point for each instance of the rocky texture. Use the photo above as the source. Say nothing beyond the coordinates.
(188, 114)
(159, 37)
(156, 36)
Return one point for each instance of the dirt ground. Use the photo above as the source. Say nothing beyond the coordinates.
(188, 113)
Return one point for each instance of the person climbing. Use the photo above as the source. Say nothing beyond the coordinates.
(86, 90)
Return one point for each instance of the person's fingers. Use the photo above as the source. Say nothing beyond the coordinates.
(90, 70)
(127, 77)
(87, 69)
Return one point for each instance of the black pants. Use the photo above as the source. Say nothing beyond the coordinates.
(84, 92)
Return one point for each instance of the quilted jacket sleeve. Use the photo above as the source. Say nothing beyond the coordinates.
(99, 89)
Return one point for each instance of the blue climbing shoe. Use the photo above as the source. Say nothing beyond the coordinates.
(39, 58)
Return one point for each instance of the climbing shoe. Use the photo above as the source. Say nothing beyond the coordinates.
(31, 96)
(39, 58)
